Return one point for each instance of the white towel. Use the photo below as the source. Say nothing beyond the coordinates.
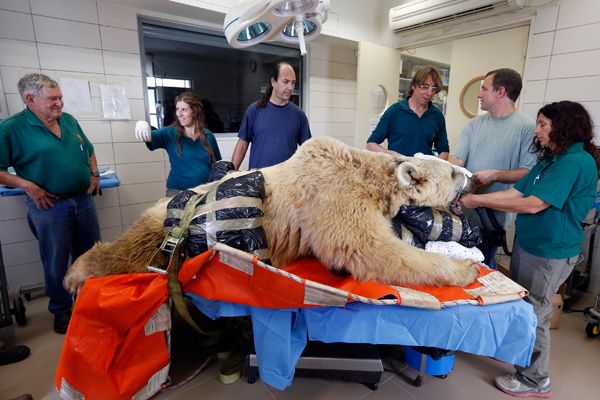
(455, 250)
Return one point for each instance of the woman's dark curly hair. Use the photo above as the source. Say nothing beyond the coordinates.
(571, 124)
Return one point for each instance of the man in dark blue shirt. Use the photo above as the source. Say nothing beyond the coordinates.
(414, 125)
(274, 125)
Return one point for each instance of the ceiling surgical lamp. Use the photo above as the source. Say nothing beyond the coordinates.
(250, 22)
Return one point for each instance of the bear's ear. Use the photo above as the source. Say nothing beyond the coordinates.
(407, 173)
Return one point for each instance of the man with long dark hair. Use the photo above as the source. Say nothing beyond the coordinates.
(274, 125)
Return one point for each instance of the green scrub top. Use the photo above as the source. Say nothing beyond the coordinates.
(568, 184)
(57, 165)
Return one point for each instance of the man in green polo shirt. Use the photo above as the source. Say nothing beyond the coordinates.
(56, 167)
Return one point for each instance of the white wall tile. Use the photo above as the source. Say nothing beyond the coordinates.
(109, 198)
(138, 112)
(15, 25)
(320, 67)
(15, 230)
(18, 53)
(135, 89)
(15, 5)
(141, 172)
(141, 193)
(12, 207)
(111, 234)
(581, 38)
(109, 217)
(96, 131)
(320, 51)
(541, 44)
(534, 91)
(344, 100)
(117, 16)
(545, 19)
(575, 64)
(593, 107)
(94, 79)
(122, 63)
(104, 153)
(344, 85)
(127, 153)
(67, 33)
(124, 131)
(14, 103)
(320, 114)
(11, 75)
(24, 274)
(579, 12)
(76, 10)
(531, 109)
(117, 39)
(344, 71)
(321, 99)
(20, 253)
(130, 213)
(65, 58)
(537, 68)
(344, 55)
(576, 89)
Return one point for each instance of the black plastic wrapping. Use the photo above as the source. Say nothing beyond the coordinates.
(428, 224)
(245, 223)
(220, 169)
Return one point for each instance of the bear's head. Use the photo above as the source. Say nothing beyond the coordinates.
(430, 181)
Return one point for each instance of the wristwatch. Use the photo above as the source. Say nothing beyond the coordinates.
(95, 173)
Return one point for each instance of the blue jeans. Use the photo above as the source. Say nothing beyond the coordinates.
(68, 229)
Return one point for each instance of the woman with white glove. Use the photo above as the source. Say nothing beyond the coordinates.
(192, 148)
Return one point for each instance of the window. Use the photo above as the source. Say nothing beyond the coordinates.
(179, 58)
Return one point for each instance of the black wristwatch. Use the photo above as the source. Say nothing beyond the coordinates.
(95, 173)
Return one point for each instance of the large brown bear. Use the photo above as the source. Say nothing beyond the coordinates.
(329, 201)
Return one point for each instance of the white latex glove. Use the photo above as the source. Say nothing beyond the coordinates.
(142, 131)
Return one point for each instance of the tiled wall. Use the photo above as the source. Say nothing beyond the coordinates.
(563, 63)
(332, 97)
(98, 42)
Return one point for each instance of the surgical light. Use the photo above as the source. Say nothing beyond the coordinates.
(250, 22)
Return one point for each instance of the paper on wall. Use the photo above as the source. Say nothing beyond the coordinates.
(76, 96)
(115, 103)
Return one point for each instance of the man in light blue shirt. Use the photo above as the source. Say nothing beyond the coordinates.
(496, 146)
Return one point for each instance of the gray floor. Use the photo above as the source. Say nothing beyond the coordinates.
(574, 368)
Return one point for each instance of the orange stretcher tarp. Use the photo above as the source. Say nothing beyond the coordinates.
(233, 276)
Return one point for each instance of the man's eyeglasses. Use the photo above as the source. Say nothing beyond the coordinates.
(425, 86)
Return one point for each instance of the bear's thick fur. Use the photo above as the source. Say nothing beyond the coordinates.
(329, 201)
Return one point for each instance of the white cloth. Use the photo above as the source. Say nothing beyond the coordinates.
(455, 250)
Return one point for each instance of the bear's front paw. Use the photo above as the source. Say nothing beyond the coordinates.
(74, 280)
(465, 272)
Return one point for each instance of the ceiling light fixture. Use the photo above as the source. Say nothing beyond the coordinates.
(250, 22)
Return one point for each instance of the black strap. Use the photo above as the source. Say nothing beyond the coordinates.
(499, 229)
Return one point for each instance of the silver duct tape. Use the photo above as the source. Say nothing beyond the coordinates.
(68, 391)
(322, 295)
(237, 262)
(436, 227)
(232, 202)
(211, 235)
(155, 384)
(262, 254)
(457, 228)
(211, 228)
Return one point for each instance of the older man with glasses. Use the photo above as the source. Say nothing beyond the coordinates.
(414, 125)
